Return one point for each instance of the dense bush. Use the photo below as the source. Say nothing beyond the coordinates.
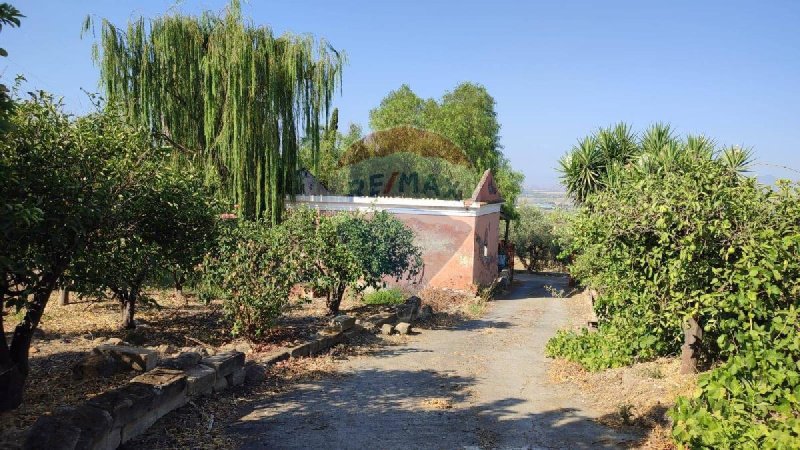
(255, 266)
(353, 251)
(680, 234)
(164, 221)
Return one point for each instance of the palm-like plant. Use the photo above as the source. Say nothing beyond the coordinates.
(583, 169)
(600, 160)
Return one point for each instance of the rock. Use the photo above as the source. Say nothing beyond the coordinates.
(164, 349)
(275, 357)
(114, 341)
(200, 380)
(237, 377)
(254, 373)
(425, 313)
(403, 327)
(329, 330)
(387, 329)
(343, 322)
(98, 364)
(136, 358)
(33, 350)
(239, 346)
(407, 312)
(225, 363)
(53, 433)
(378, 320)
(352, 332)
(183, 361)
(221, 384)
(197, 349)
(170, 387)
(72, 427)
(301, 350)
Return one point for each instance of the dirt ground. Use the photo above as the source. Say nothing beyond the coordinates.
(474, 377)
(482, 383)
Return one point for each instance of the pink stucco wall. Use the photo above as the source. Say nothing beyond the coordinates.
(453, 251)
(487, 234)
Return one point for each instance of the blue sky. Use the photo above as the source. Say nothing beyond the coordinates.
(558, 69)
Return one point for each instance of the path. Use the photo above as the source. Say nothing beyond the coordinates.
(492, 372)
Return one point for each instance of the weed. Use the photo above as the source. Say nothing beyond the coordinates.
(385, 297)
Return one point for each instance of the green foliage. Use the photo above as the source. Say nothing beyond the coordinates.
(61, 190)
(536, 236)
(163, 221)
(324, 164)
(403, 107)
(9, 16)
(229, 95)
(753, 400)
(676, 233)
(466, 116)
(354, 251)
(597, 161)
(255, 266)
(385, 297)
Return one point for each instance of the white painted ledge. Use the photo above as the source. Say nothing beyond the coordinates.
(396, 205)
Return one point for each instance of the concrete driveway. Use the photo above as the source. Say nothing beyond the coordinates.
(482, 384)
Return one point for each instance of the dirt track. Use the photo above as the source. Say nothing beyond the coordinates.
(480, 385)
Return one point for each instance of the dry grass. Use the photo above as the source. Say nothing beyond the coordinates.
(637, 396)
(68, 333)
(451, 307)
(436, 403)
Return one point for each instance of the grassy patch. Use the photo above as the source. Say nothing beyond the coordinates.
(385, 297)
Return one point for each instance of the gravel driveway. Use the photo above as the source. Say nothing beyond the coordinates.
(480, 385)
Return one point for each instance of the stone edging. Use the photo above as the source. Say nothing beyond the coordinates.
(116, 416)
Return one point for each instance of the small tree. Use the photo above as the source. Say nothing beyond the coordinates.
(255, 267)
(167, 223)
(535, 237)
(354, 251)
(61, 179)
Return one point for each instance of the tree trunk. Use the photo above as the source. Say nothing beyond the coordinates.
(128, 308)
(334, 299)
(14, 359)
(690, 351)
(63, 297)
(179, 280)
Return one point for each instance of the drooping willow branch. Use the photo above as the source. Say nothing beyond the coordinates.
(229, 89)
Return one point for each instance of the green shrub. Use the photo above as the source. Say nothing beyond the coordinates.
(753, 400)
(255, 267)
(385, 297)
(678, 233)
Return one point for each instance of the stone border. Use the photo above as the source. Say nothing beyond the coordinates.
(117, 416)
(114, 417)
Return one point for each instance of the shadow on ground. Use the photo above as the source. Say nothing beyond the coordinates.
(404, 409)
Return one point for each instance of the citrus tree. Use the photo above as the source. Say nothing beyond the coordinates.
(163, 222)
(60, 190)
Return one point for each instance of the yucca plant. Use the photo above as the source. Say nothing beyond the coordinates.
(600, 161)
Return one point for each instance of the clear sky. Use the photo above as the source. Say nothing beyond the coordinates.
(558, 69)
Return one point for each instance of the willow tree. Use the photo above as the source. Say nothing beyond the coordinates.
(229, 95)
